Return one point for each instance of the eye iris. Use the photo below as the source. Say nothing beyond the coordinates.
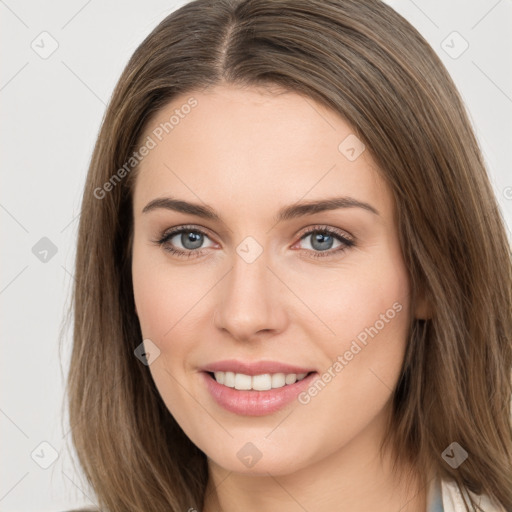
(191, 236)
(320, 238)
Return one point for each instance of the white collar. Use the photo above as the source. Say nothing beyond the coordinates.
(445, 496)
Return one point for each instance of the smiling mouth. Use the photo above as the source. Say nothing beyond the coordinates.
(254, 395)
(262, 382)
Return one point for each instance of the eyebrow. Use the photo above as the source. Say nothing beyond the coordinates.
(286, 213)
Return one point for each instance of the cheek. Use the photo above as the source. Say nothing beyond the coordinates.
(165, 299)
(151, 301)
(367, 293)
(164, 302)
(368, 312)
(370, 317)
(171, 314)
(376, 305)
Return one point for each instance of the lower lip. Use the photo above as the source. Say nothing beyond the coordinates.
(255, 403)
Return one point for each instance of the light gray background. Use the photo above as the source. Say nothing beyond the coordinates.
(51, 109)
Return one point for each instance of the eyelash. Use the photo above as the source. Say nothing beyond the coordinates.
(347, 242)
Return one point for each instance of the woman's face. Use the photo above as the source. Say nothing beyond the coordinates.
(260, 297)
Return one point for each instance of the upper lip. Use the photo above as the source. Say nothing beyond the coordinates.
(254, 368)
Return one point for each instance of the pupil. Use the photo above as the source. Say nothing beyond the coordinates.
(191, 238)
(320, 241)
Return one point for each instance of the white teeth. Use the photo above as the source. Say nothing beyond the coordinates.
(261, 382)
(290, 378)
(278, 380)
(229, 379)
(242, 381)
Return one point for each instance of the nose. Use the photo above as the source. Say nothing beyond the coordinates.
(250, 302)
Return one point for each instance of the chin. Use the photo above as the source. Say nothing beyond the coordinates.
(259, 458)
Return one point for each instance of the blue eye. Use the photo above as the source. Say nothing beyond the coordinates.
(192, 238)
(322, 238)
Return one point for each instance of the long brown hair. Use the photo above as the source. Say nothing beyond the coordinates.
(367, 63)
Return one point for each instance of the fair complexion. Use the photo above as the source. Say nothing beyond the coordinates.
(247, 153)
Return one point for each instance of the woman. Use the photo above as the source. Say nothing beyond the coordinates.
(293, 282)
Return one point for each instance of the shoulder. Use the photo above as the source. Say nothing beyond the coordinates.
(454, 502)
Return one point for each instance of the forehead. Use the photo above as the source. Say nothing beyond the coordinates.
(250, 148)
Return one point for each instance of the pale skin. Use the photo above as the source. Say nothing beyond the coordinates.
(246, 153)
